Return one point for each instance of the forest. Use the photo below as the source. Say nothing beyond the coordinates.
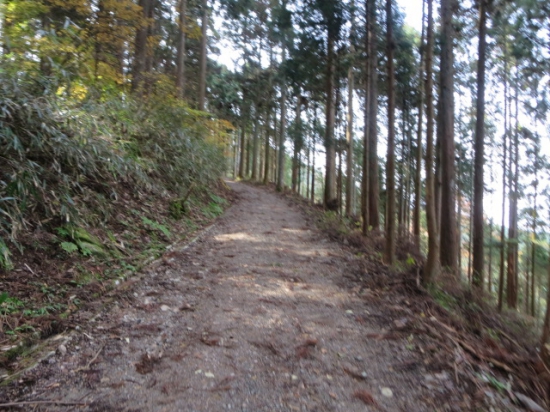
(434, 140)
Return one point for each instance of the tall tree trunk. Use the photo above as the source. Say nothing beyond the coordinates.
(308, 154)
(312, 193)
(504, 172)
(528, 264)
(282, 132)
(408, 175)
(243, 150)
(339, 181)
(373, 186)
(248, 155)
(438, 167)
(534, 237)
(151, 58)
(459, 231)
(512, 255)
(389, 252)
(141, 48)
(235, 154)
(266, 150)
(418, 171)
(256, 145)
(490, 268)
(544, 348)
(101, 21)
(401, 173)
(470, 241)
(350, 180)
(432, 262)
(479, 160)
(533, 279)
(331, 198)
(180, 57)
(449, 253)
(4, 46)
(313, 156)
(204, 39)
(366, 119)
(403, 209)
(297, 147)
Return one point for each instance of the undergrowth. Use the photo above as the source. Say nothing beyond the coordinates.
(62, 160)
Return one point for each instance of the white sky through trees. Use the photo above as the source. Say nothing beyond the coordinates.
(413, 18)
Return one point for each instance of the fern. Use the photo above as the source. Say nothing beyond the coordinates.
(157, 226)
(69, 247)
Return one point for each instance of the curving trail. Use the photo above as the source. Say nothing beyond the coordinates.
(254, 316)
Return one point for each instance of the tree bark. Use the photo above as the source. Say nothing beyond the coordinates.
(418, 174)
(534, 234)
(339, 180)
(432, 261)
(313, 156)
(141, 49)
(512, 253)
(479, 160)
(366, 116)
(256, 145)
(373, 186)
(243, 151)
(297, 147)
(180, 57)
(448, 253)
(282, 132)
(266, 151)
(204, 39)
(331, 197)
(504, 171)
(308, 165)
(389, 252)
(490, 268)
(544, 348)
(350, 181)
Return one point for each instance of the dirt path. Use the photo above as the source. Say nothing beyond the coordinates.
(254, 316)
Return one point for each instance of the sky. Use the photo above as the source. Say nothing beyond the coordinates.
(413, 12)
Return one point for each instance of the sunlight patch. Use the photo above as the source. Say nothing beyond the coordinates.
(235, 236)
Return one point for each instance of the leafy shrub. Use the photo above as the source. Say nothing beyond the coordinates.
(62, 158)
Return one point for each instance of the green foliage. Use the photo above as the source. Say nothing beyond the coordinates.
(81, 240)
(3, 297)
(177, 209)
(410, 260)
(9, 305)
(218, 200)
(212, 210)
(443, 298)
(5, 261)
(156, 226)
(65, 157)
(69, 247)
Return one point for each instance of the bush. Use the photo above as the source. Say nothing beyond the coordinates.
(62, 158)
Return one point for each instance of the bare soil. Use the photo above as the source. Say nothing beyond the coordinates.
(261, 313)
